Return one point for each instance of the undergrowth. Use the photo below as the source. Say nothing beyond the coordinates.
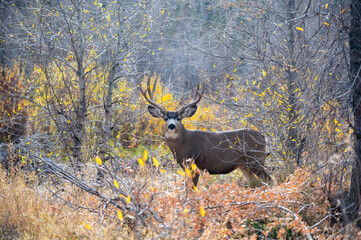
(217, 209)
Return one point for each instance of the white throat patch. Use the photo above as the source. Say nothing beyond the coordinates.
(171, 134)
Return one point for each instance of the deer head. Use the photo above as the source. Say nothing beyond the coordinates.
(172, 119)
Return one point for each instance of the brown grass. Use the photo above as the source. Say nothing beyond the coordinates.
(29, 211)
(220, 209)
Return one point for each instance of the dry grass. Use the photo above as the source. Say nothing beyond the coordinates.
(29, 211)
(219, 209)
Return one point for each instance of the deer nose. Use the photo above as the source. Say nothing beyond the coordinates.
(171, 126)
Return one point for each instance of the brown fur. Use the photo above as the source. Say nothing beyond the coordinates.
(221, 152)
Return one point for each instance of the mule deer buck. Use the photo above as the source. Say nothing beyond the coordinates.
(216, 152)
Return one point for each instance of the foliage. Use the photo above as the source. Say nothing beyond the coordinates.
(218, 209)
(27, 212)
(13, 114)
(70, 72)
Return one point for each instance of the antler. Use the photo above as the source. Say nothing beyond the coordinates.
(198, 97)
(151, 94)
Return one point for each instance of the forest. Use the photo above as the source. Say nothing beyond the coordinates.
(82, 157)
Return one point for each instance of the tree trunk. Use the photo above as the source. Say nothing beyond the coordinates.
(291, 85)
(78, 48)
(108, 116)
(354, 200)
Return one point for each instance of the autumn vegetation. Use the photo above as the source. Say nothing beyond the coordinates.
(81, 158)
(147, 195)
(159, 205)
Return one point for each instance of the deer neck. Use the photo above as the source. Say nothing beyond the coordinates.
(177, 142)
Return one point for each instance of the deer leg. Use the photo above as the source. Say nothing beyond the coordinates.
(195, 179)
(262, 173)
(248, 174)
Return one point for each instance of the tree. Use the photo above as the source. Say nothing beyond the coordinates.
(354, 197)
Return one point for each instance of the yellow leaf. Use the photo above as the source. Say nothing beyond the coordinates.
(116, 184)
(156, 163)
(70, 57)
(86, 225)
(98, 160)
(145, 155)
(180, 172)
(195, 188)
(120, 215)
(194, 166)
(162, 170)
(300, 29)
(202, 211)
(186, 210)
(327, 24)
(128, 199)
(326, 6)
(141, 162)
(188, 172)
(264, 73)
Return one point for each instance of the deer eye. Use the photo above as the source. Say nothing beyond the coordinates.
(165, 119)
(178, 119)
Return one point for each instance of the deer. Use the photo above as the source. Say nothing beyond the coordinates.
(215, 152)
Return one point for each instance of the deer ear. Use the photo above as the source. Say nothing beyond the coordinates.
(155, 112)
(189, 111)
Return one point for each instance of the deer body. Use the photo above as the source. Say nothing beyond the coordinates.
(221, 152)
(216, 152)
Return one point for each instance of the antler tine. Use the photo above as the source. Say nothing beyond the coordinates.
(151, 93)
(197, 90)
(148, 87)
(198, 97)
(154, 87)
